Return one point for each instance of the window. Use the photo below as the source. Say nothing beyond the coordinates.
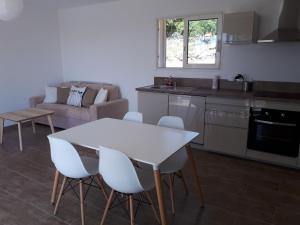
(192, 42)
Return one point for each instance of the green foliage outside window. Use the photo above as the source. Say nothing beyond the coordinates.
(174, 26)
(196, 27)
(202, 27)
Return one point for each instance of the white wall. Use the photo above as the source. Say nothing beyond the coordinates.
(30, 56)
(116, 42)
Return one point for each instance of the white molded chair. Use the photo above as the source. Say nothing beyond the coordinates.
(119, 173)
(173, 166)
(73, 166)
(134, 117)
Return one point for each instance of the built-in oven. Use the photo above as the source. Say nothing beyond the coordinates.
(274, 131)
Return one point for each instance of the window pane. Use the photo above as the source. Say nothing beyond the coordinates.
(202, 41)
(174, 42)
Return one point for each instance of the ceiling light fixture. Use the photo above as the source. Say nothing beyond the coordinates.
(10, 9)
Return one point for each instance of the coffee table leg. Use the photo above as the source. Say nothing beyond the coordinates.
(51, 124)
(55, 185)
(20, 136)
(33, 127)
(195, 173)
(1, 130)
(160, 198)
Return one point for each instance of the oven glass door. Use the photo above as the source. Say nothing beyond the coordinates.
(276, 138)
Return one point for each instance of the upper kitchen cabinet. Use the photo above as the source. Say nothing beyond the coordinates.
(240, 28)
(153, 106)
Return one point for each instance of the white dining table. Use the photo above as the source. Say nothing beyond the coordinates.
(141, 142)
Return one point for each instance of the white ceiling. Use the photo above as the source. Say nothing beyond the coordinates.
(61, 4)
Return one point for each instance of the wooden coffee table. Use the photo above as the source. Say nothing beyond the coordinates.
(23, 116)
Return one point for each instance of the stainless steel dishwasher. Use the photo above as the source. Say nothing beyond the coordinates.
(191, 109)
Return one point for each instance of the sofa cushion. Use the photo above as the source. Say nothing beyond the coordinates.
(101, 96)
(67, 111)
(113, 91)
(50, 95)
(76, 95)
(89, 97)
(62, 95)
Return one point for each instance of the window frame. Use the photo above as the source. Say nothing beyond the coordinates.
(161, 56)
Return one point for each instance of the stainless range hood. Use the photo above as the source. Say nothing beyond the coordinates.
(288, 29)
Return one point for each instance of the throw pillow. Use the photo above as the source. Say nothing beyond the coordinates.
(89, 97)
(75, 96)
(62, 95)
(101, 96)
(50, 95)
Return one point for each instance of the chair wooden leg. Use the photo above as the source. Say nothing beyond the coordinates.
(54, 188)
(81, 201)
(111, 196)
(60, 194)
(152, 206)
(100, 183)
(183, 182)
(131, 210)
(171, 192)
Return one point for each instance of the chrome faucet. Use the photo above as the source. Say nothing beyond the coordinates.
(169, 81)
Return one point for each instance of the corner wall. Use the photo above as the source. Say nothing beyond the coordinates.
(30, 56)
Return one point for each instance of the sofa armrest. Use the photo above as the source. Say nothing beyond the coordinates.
(112, 109)
(33, 101)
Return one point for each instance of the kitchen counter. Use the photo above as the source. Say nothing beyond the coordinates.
(205, 92)
(221, 116)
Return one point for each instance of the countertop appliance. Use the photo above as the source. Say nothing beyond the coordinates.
(274, 131)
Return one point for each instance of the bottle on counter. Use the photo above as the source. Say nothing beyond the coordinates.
(215, 82)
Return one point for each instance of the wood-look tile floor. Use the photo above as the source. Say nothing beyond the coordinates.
(237, 192)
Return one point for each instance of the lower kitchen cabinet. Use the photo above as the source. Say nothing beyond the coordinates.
(153, 106)
(228, 140)
(226, 126)
(222, 122)
(192, 110)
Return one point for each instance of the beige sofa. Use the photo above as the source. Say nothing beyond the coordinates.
(66, 116)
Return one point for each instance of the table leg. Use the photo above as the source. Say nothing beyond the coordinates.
(55, 185)
(1, 130)
(51, 124)
(20, 136)
(195, 173)
(160, 198)
(33, 127)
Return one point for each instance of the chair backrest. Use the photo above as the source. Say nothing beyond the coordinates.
(134, 116)
(171, 122)
(66, 159)
(180, 157)
(118, 171)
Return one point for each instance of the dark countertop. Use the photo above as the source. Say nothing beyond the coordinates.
(196, 91)
(192, 91)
